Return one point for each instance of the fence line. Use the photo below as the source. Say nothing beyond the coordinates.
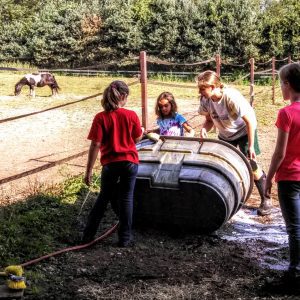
(218, 61)
(58, 106)
(47, 109)
(168, 63)
(233, 65)
(84, 72)
(154, 82)
(143, 80)
(264, 63)
(42, 168)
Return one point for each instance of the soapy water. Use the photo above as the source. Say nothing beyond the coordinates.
(268, 242)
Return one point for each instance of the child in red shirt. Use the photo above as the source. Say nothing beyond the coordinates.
(114, 132)
(285, 166)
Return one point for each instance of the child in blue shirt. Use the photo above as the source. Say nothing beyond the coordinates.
(169, 121)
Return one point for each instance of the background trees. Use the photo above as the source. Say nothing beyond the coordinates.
(73, 33)
(280, 34)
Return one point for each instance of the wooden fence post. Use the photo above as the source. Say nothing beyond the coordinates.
(143, 80)
(218, 64)
(273, 79)
(251, 61)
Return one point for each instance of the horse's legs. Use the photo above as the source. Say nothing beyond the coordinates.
(32, 91)
(53, 90)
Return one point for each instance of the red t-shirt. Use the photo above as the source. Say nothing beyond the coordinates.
(288, 120)
(116, 131)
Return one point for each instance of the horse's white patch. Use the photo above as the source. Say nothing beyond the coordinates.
(36, 77)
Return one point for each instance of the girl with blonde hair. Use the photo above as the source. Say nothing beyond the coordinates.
(228, 110)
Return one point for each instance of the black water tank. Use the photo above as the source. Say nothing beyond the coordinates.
(188, 183)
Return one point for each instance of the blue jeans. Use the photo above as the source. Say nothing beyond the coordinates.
(116, 178)
(289, 199)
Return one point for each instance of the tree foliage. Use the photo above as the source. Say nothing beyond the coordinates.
(281, 28)
(72, 33)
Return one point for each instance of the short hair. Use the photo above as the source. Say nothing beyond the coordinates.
(291, 74)
(112, 95)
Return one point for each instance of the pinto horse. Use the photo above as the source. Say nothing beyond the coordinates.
(37, 80)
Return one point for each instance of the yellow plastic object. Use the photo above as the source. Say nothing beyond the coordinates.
(153, 136)
(15, 279)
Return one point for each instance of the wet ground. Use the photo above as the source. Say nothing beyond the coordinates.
(247, 228)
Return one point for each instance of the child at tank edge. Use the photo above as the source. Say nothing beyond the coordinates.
(169, 121)
(228, 110)
(114, 133)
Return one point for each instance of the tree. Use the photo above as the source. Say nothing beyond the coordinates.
(57, 35)
(281, 28)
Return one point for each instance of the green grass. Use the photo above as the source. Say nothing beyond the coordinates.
(42, 223)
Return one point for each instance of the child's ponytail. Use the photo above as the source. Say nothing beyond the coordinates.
(112, 95)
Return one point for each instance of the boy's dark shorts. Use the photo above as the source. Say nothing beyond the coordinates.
(242, 144)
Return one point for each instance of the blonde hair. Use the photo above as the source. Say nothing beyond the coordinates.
(291, 74)
(112, 95)
(168, 96)
(208, 78)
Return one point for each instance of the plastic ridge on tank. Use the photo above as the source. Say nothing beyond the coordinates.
(190, 184)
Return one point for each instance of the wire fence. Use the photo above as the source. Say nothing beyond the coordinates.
(142, 73)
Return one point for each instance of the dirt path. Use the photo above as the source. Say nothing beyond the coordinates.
(33, 141)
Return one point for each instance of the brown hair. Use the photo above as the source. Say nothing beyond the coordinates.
(291, 74)
(208, 78)
(168, 96)
(112, 95)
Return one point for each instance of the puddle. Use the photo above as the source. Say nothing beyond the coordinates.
(267, 241)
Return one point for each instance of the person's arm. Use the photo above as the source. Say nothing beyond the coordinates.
(154, 130)
(277, 158)
(250, 134)
(189, 129)
(136, 140)
(92, 156)
(206, 126)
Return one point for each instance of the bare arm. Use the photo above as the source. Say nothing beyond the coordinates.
(277, 158)
(92, 156)
(189, 129)
(250, 133)
(206, 126)
(140, 137)
(155, 130)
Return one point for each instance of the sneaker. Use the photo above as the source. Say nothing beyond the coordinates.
(265, 207)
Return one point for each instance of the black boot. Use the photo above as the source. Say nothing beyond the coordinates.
(265, 207)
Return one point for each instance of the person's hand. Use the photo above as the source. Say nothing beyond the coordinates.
(191, 133)
(268, 188)
(88, 178)
(203, 133)
(143, 130)
(251, 153)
